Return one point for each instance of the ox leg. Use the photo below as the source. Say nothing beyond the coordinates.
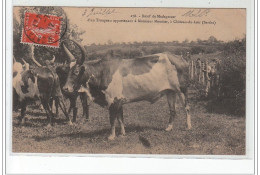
(187, 108)
(22, 117)
(171, 98)
(49, 114)
(120, 119)
(112, 117)
(51, 103)
(73, 107)
(70, 108)
(57, 107)
(85, 105)
(75, 110)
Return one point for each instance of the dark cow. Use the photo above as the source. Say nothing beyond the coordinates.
(41, 84)
(62, 71)
(111, 83)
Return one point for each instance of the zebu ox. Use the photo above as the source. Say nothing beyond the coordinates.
(63, 72)
(115, 82)
(37, 84)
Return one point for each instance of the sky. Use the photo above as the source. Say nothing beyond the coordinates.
(224, 24)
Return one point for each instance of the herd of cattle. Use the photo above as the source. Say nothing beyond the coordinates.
(111, 83)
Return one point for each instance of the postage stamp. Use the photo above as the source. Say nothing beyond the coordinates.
(41, 29)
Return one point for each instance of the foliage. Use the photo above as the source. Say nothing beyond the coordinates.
(233, 76)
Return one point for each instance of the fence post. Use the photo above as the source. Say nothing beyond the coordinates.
(199, 71)
(195, 71)
(189, 69)
(203, 73)
(192, 69)
(207, 80)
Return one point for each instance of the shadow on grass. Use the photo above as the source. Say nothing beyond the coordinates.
(35, 113)
(39, 122)
(97, 133)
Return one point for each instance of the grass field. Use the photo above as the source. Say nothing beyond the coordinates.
(211, 133)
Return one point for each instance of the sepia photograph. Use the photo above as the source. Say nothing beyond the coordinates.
(152, 81)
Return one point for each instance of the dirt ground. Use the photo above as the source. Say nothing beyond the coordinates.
(211, 133)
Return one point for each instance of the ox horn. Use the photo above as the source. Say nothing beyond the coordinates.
(83, 53)
(53, 59)
(69, 54)
(24, 61)
(14, 60)
(36, 62)
(27, 66)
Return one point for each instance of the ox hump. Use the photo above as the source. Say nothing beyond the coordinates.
(143, 65)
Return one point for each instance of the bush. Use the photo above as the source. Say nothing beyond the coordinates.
(158, 49)
(233, 76)
(181, 50)
(197, 50)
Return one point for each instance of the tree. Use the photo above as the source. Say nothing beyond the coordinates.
(212, 40)
(68, 31)
(109, 42)
(185, 41)
(199, 41)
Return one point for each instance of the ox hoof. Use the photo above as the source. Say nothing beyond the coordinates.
(187, 108)
(21, 121)
(111, 137)
(122, 135)
(70, 123)
(48, 126)
(169, 128)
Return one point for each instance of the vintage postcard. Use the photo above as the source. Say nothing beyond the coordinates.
(128, 88)
(92, 80)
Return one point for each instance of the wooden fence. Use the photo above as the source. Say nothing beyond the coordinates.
(199, 72)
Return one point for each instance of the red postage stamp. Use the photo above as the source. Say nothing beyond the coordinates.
(41, 29)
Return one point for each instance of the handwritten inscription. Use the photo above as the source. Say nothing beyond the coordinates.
(197, 13)
(98, 11)
(93, 16)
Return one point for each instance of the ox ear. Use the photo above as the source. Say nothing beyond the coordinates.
(82, 70)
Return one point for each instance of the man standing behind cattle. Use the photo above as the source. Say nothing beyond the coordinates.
(212, 77)
(198, 68)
